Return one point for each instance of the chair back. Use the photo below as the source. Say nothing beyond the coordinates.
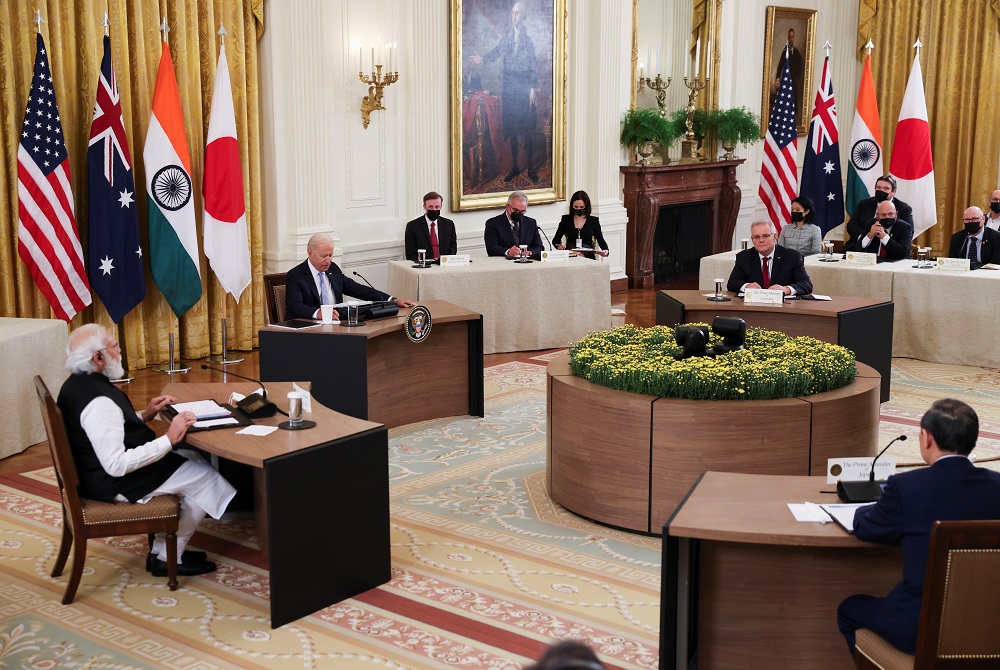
(274, 287)
(62, 455)
(960, 614)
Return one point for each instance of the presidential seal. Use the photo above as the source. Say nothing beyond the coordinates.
(418, 324)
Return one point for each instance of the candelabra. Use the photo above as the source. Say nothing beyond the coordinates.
(659, 86)
(377, 82)
(689, 146)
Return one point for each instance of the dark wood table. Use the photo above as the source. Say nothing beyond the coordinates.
(373, 371)
(862, 325)
(745, 585)
(321, 499)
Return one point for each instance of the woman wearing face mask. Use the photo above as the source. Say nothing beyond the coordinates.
(802, 235)
(579, 228)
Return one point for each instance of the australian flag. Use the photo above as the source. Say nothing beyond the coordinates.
(821, 177)
(115, 253)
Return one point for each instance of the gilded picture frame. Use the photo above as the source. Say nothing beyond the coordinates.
(782, 23)
(513, 52)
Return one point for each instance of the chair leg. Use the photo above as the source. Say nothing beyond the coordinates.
(172, 561)
(64, 545)
(79, 558)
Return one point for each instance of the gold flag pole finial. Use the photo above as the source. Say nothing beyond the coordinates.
(222, 33)
(105, 23)
(39, 20)
(164, 28)
(917, 45)
(827, 47)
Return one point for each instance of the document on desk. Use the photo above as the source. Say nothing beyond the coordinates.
(213, 423)
(202, 409)
(809, 512)
(843, 513)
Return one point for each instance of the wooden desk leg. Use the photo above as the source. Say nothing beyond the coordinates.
(260, 509)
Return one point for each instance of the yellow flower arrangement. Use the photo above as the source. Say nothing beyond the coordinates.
(773, 365)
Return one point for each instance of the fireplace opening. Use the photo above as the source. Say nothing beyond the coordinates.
(680, 241)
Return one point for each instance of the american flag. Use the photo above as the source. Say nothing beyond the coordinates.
(47, 238)
(821, 176)
(778, 173)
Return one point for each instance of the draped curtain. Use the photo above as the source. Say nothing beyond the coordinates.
(960, 60)
(73, 38)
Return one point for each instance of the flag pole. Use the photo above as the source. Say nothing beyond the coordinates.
(105, 23)
(223, 359)
(39, 20)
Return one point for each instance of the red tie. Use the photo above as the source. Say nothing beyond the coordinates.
(765, 273)
(434, 241)
(881, 249)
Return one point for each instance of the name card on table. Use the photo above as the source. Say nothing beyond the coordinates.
(555, 255)
(856, 469)
(763, 296)
(861, 258)
(955, 264)
(455, 260)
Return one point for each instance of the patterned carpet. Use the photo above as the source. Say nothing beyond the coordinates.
(486, 569)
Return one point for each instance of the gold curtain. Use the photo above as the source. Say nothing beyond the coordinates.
(73, 38)
(961, 63)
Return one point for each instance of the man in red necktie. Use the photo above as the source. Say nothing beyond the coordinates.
(436, 236)
(769, 265)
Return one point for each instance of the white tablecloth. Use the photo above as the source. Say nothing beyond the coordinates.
(28, 347)
(525, 307)
(940, 316)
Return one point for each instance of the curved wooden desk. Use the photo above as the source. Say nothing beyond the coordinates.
(626, 459)
(747, 586)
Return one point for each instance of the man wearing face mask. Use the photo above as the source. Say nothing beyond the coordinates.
(864, 213)
(505, 233)
(976, 242)
(436, 236)
(993, 216)
(887, 237)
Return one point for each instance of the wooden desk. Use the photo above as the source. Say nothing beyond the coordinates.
(747, 586)
(372, 371)
(862, 325)
(321, 499)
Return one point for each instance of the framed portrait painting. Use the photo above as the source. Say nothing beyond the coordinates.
(796, 29)
(508, 91)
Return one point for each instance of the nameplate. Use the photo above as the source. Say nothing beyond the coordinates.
(857, 469)
(861, 258)
(763, 296)
(555, 255)
(953, 264)
(455, 260)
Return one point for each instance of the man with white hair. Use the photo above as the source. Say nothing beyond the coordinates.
(977, 242)
(118, 457)
(505, 232)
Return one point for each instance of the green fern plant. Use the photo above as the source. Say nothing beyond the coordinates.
(646, 125)
(737, 126)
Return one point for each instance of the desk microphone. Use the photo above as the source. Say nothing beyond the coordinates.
(544, 236)
(256, 405)
(358, 274)
(864, 491)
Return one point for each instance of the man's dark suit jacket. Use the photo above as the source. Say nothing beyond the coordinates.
(952, 489)
(499, 237)
(302, 299)
(898, 246)
(787, 269)
(864, 215)
(417, 236)
(989, 250)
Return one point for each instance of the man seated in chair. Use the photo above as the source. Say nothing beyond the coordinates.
(118, 457)
(951, 489)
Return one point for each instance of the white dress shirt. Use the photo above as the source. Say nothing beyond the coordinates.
(104, 424)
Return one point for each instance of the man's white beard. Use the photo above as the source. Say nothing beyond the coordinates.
(113, 368)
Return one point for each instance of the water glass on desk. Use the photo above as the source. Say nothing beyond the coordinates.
(421, 256)
(294, 408)
(352, 314)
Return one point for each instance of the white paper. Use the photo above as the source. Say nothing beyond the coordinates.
(809, 512)
(202, 409)
(257, 430)
(817, 296)
(235, 397)
(617, 312)
(843, 513)
(209, 423)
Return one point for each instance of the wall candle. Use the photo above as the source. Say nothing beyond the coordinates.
(687, 58)
(697, 57)
(641, 77)
(649, 55)
(373, 56)
(659, 58)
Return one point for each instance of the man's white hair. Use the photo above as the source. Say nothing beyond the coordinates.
(518, 195)
(757, 224)
(317, 239)
(83, 343)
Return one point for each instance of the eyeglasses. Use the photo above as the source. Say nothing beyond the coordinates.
(761, 238)
(975, 220)
(519, 211)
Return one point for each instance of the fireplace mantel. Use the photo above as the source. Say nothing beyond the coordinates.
(648, 188)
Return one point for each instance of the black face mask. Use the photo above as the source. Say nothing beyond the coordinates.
(580, 212)
(433, 214)
(798, 216)
(995, 207)
(972, 228)
(881, 196)
(887, 223)
(515, 216)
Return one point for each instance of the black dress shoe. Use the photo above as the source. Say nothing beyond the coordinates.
(533, 176)
(189, 556)
(186, 569)
(510, 175)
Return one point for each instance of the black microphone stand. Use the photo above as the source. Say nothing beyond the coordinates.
(865, 491)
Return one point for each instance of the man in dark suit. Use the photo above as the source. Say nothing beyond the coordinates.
(951, 489)
(978, 243)
(318, 281)
(864, 212)
(436, 236)
(769, 265)
(886, 236)
(505, 232)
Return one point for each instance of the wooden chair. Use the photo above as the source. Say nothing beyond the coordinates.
(274, 289)
(84, 519)
(960, 613)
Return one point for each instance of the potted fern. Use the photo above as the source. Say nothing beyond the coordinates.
(641, 128)
(735, 126)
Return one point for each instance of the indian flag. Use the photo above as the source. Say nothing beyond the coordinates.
(173, 241)
(866, 143)
(912, 163)
(225, 220)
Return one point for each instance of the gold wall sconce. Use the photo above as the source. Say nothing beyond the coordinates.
(377, 82)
